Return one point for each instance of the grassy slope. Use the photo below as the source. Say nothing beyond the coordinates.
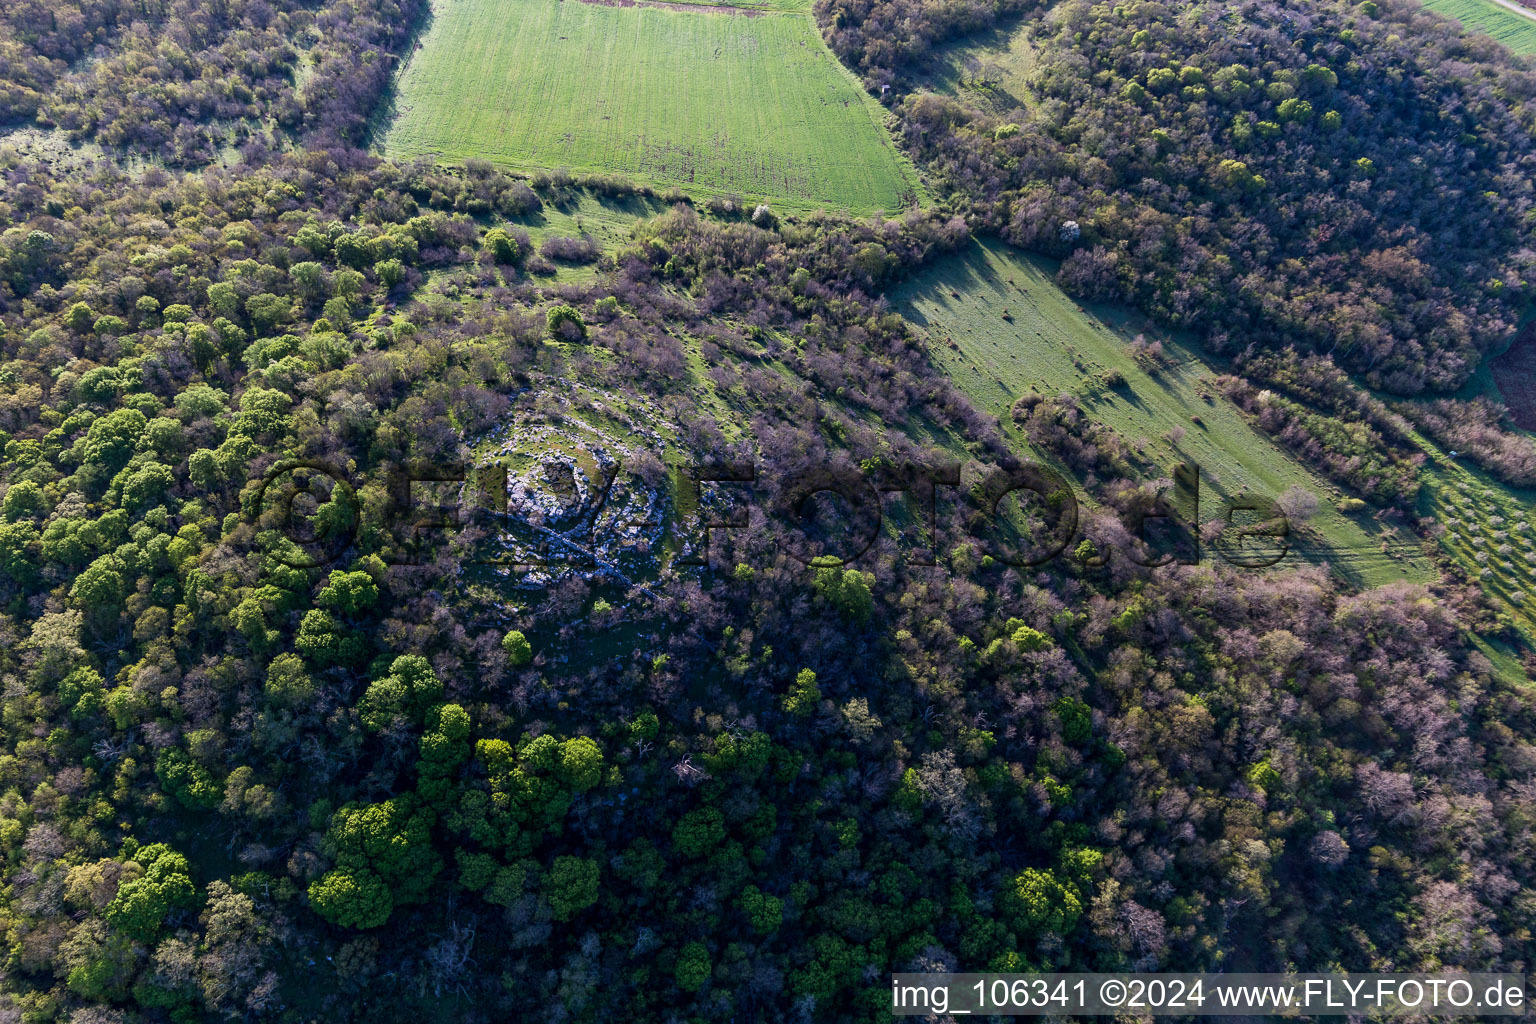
(1052, 345)
(605, 220)
(1514, 30)
(1003, 56)
(710, 102)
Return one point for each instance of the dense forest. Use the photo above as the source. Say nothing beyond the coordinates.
(240, 782)
(1352, 179)
(179, 81)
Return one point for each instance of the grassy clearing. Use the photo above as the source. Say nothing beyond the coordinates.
(705, 100)
(990, 69)
(1514, 30)
(1051, 345)
(607, 221)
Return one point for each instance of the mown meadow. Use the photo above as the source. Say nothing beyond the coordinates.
(1001, 328)
(714, 101)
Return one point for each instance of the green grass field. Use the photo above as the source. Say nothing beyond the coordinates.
(1514, 30)
(704, 99)
(1052, 345)
(989, 68)
(798, 6)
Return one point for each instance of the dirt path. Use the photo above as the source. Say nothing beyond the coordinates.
(1517, 8)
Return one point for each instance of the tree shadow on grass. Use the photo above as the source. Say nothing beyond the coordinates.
(387, 109)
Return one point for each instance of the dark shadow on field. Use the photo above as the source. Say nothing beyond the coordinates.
(943, 69)
(961, 289)
(630, 206)
(1514, 371)
(947, 282)
(385, 112)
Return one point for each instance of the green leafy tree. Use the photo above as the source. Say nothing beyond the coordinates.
(571, 886)
(224, 300)
(102, 587)
(847, 590)
(804, 696)
(110, 326)
(1029, 640)
(405, 693)
(111, 439)
(1076, 719)
(519, 650)
(24, 500)
(288, 683)
(503, 247)
(309, 276)
(140, 907)
(323, 641)
(745, 758)
(268, 311)
(699, 832)
(1294, 109)
(764, 911)
(354, 250)
(530, 789)
(102, 961)
(384, 858)
(1039, 903)
(581, 763)
(147, 485)
(351, 899)
(444, 747)
(389, 272)
(349, 593)
(79, 318)
(1235, 174)
(263, 413)
(693, 967)
(189, 782)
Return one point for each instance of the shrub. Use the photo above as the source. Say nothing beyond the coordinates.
(569, 250)
(565, 323)
(519, 650)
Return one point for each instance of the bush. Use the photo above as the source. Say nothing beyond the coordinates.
(565, 323)
(503, 247)
(804, 696)
(569, 250)
(519, 650)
